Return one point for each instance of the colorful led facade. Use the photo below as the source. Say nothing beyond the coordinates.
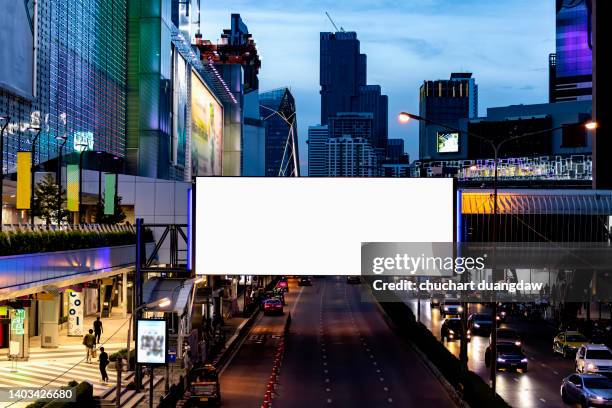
(80, 76)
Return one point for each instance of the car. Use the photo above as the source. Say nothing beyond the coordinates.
(436, 300)
(205, 389)
(274, 294)
(509, 356)
(273, 306)
(452, 329)
(587, 390)
(594, 358)
(353, 279)
(507, 336)
(282, 285)
(451, 307)
(304, 281)
(480, 323)
(568, 342)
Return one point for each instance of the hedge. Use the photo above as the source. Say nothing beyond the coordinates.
(476, 392)
(27, 242)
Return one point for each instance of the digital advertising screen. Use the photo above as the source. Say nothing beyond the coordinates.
(206, 130)
(448, 142)
(180, 105)
(151, 341)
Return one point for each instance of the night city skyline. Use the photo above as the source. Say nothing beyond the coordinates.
(405, 45)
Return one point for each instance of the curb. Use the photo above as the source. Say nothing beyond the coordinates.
(452, 392)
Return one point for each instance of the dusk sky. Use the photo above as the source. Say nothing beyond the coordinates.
(505, 44)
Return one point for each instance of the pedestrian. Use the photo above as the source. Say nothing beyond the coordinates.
(98, 329)
(89, 341)
(103, 363)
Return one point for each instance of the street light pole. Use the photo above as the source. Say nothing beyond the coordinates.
(7, 120)
(404, 117)
(33, 172)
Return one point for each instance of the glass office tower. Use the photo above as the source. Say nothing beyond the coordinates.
(79, 79)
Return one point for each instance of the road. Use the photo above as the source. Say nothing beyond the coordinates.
(539, 387)
(340, 352)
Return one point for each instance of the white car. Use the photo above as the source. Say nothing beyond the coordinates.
(594, 358)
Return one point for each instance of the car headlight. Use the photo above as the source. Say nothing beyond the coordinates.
(460, 309)
(524, 360)
(503, 314)
(446, 308)
(592, 366)
(517, 343)
(500, 360)
(476, 325)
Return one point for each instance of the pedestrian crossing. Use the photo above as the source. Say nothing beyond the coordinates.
(56, 374)
(68, 351)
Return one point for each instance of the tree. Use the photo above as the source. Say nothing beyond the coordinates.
(48, 204)
(116, 218)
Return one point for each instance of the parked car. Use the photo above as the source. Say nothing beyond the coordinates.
(507, 336)
(451, 307)
(587, 390)
(568, 342)
(205, 389)
(273, 306)
(452, 329)
(509, 356)
(480, 323)
(594, 358)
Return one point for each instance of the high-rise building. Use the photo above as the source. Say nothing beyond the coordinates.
(349, 156)
(69, 81)
(343, 80)
(317, 150)
(395, 149)
(277, 110)
(446, 101)
(571, 66)
(236, 61)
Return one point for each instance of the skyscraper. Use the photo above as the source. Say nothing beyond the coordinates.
(446, 101)
(317, 150)
(277, 110)
(344, 88)
(571, 66)
(349, 156)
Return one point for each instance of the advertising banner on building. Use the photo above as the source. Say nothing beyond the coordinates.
(151, 341)
(75, 313)
(206, 130)
(110, 189)
(179, 109)
(24, 180)
(72, 190)
(327, 233)
(17, 27)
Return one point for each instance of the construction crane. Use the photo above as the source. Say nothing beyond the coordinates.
(334, 24)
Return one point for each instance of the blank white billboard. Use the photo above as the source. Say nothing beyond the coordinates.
(312, 226)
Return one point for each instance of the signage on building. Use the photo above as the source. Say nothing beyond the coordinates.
(151, 341)
(18, 322)
(83, 141)
(75, 313)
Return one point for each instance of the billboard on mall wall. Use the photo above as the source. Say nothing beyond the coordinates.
(310, 225)
(17, 55)
(206, 130)
(179, 100)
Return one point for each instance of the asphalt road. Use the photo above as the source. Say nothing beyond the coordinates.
(342, 353)
(244, 379)
(539, 386)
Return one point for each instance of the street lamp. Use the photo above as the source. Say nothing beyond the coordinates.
(6, 120)
(36, 129)
(405, 117)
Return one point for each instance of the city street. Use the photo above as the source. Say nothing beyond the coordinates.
(339, 352)
(539, 387)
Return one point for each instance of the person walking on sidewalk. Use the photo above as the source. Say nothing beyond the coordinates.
(103, 363)
(89, 341)
(97, 329)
